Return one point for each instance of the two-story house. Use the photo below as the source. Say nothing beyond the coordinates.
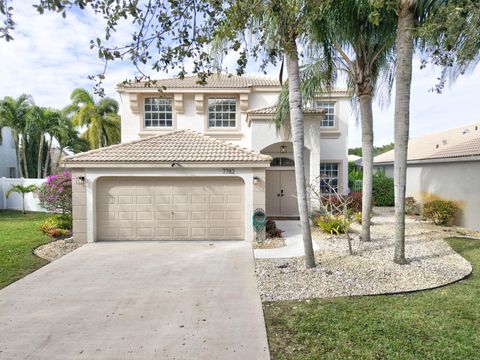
(196, 161)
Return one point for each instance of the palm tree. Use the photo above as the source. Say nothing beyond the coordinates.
(100, 118)
(347, 42)
(13, 114)
(67, 138)
(459, 45)
(41, 121)
(277, 28)
(22, 190)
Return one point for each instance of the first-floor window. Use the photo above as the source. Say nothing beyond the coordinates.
(158, 112)
(329, 177)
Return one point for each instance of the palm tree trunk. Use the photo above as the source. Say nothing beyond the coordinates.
(17, 152)
(23, 203)
(297, 125)
(24, 156)
(366, 114)
(40, 153)
(47, 160)
(403, 80)
(59, 158)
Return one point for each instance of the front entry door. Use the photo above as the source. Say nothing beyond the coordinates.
(281, 199)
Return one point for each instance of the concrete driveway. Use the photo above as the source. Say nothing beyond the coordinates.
(137, 300)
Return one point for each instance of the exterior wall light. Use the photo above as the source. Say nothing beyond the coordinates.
(80, 180)
(256, 180)
(283, 148)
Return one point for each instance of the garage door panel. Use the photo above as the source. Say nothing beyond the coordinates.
(123, 215)
(235, 215)
(163, 232)
(145, 232)
(162, 215)
(144, 199)
(170, 208)
(125, 200)
(163, 199)
(145, 215)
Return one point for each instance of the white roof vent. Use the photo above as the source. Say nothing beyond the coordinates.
(444, 142)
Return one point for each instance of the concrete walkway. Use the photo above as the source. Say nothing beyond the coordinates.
(293, 239)
(137, 300)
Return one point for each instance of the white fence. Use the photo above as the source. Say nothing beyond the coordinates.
(14, 201)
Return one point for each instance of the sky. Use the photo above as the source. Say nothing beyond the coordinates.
(50, 56)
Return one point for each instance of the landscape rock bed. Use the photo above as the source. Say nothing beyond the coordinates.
(431, 263)
(56, 249)
(270, 243)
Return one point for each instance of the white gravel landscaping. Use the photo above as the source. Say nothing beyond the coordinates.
(270, 243)
(56, 249)
(370, 271)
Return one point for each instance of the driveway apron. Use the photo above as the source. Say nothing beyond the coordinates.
(138, 300)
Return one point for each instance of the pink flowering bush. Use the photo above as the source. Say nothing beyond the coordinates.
(55, 194)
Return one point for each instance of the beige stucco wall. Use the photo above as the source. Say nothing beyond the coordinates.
(79, 207)
(191, 118)
(456, 181)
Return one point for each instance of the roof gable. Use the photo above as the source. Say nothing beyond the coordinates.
(175, 147)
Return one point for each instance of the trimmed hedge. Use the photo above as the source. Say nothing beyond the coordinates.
(383, 191)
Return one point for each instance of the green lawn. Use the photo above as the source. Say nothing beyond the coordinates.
(19, 236)
(436, 324)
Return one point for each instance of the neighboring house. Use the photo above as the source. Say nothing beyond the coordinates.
(196, 160)
(8, 156)
(444, 165)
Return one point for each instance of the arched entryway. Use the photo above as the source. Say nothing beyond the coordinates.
(280, 188)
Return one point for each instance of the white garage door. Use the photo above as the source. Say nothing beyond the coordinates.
(188, 208)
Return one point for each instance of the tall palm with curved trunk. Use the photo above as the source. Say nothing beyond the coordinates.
(347, 42)
(277, 27)
(100, 118)
(13, 114)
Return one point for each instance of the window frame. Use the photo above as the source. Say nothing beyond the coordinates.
(281, 160)
(334, 109)
(338, 176)
(222, 128)
(145, 112)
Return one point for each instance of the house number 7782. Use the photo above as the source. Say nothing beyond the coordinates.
(229, 171)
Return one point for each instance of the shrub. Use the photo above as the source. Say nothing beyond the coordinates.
(55, 233)
(441, 212)
(358, 217)
(383, 191)
(331, 224)
(271, 230)
(411, 206)
(55, 194)
(57, 221)
(333, 203)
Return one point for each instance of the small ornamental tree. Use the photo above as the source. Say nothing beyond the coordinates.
(55, 194)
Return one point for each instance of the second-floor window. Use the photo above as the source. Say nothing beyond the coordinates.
(222, 112)
(158, 113)
(329, 119)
